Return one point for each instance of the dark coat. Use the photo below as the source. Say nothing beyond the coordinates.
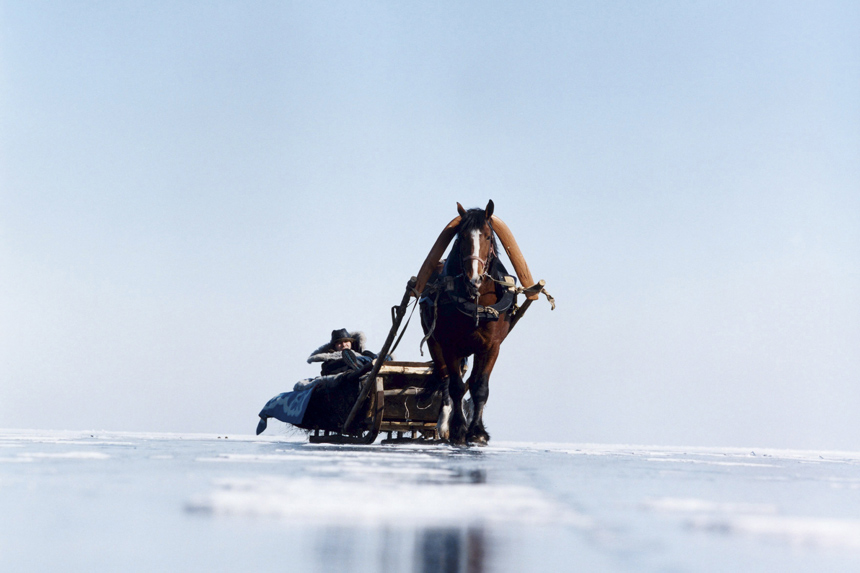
(332, 360)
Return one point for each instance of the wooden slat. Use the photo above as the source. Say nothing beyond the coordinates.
(411, 391)
(428, 363)
(396, 369)
(417, 424)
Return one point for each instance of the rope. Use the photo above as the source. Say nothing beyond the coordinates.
(549, 298)
(523, 290)
(418, 402)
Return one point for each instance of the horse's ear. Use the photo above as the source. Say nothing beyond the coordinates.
(489, 211)
(461, 210)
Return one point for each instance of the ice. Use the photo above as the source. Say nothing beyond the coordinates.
(97, 501)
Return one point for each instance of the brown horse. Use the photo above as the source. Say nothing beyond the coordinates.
(458, 323)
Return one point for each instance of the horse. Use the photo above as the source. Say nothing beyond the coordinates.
(464, 312)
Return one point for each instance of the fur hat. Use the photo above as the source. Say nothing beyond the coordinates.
(340, 336)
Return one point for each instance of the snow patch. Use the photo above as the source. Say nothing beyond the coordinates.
(307, 500)
(67, 455)
(674, 504)
(798, 531)
(252, 458)
(711, 463)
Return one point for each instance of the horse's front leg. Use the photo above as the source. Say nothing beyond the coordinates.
(479, 388)
(457, 390)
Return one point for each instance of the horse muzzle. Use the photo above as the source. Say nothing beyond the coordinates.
(473, 286)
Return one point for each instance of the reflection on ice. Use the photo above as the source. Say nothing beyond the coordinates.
(394, 550)
(451, 550)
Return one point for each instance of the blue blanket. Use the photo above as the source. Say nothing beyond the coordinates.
(288, 407)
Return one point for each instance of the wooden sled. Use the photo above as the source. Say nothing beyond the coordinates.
(400, 404)
(395, 398)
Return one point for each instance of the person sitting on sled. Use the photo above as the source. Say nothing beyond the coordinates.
(344, 353)
(325, 400)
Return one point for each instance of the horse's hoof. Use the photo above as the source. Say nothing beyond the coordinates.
(457, 438)
(479, 438)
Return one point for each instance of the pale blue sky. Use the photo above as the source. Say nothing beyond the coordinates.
(193, 195)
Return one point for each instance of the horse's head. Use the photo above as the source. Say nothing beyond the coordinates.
(475, 245)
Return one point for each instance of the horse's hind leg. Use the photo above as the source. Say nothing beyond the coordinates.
(479, 388)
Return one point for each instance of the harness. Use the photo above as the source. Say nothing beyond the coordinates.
(451, 290)
(453, 294)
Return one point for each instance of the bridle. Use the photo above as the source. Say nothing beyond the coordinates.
(483, 262)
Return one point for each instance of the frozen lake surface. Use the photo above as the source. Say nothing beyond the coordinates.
(87, 501)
